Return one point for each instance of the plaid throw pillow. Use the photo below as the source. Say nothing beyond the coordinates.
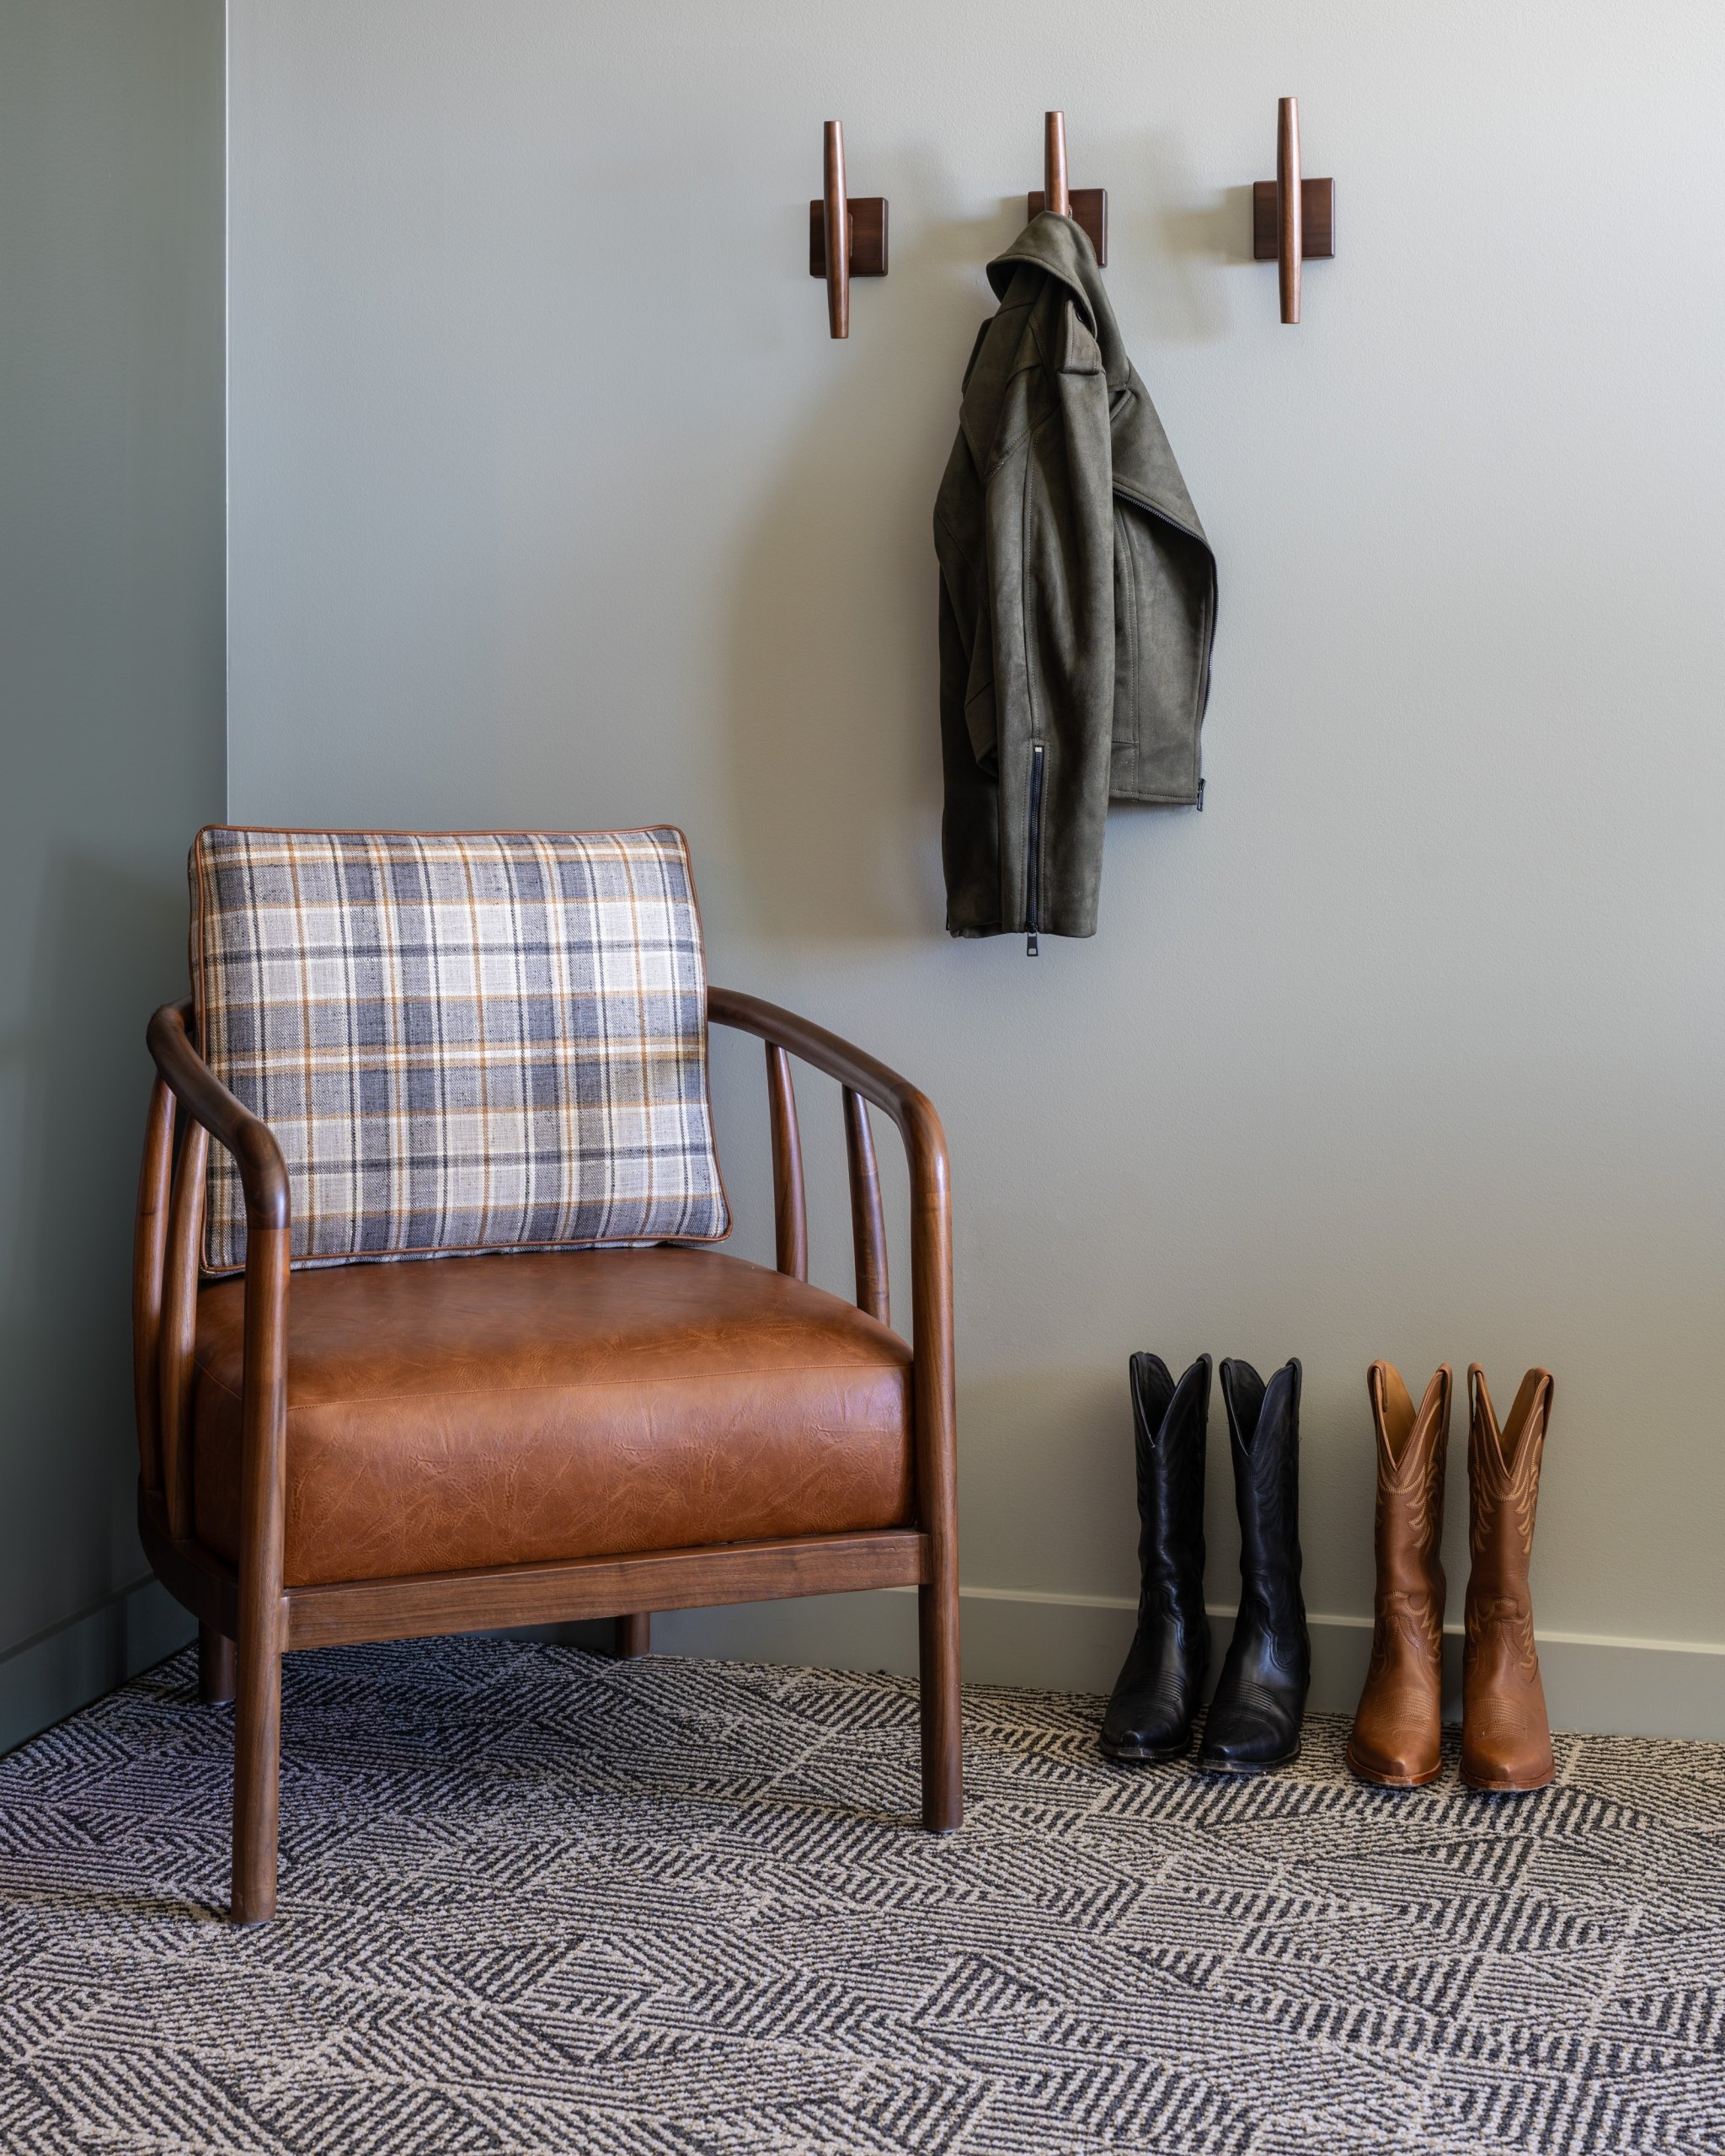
(462, 1042)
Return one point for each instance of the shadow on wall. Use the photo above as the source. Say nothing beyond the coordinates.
(832, 689)
(832, 693)
(1191, 237)
(80, 1075)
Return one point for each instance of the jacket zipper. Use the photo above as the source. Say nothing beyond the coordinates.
(1032, 865)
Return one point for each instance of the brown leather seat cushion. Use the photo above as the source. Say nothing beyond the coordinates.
(506, 1410)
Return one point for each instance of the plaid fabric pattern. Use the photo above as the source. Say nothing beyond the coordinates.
(460, 1042)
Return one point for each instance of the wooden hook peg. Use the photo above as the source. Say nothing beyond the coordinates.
(846, 239)
(1086, 206)
(1054, 193)
(1292, 218)
(1291, 239)
(837, 206)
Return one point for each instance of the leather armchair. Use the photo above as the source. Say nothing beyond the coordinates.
(369, 1452)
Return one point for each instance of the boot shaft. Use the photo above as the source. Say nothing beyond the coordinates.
(1504, 1488)
(1412, 1449)
(1170, 1431)
(1263, 1429)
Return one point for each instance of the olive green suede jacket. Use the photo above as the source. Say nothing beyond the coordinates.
(1077, 600)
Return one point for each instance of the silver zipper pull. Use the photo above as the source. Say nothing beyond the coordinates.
(1033, 949)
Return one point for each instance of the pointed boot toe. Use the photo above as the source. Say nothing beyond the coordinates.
(1256, 1728)
(1147, 1720)
(1397, 1738)
(1155, 1702)
(1254, 1719)
(1506, 1749)
(1393, 1758)
(1155, 1698)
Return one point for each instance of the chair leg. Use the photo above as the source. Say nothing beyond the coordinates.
(257, 1773)
(215, 1667)
(943, 1732)
(632, 1635)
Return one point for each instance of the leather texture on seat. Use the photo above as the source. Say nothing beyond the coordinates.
(538, 1406)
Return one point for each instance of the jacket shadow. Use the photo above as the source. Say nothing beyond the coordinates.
(832, 672)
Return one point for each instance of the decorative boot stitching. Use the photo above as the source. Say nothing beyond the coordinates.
(1413, 1619)
(1510, 1620)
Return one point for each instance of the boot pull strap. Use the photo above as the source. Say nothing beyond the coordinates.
(1242, 1394)
(1529, 1416)
(1480, 1413)
(1392, 1411)
(1435, 1406)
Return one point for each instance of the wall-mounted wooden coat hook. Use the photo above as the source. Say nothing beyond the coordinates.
(1293, 220)
(1086, 206)
(846, 239)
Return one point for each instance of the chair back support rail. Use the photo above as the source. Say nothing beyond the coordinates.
(188, 1107)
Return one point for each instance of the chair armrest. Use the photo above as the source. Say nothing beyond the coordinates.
(932, 1384)
(912, 1111)
(165, 1293)
(263, 1173)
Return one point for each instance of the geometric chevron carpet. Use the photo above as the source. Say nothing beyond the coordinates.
(536, 1902)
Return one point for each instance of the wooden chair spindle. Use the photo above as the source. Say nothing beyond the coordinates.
(867, 1215)
(789, 1207)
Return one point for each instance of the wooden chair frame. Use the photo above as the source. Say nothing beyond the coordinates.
(247, 1619)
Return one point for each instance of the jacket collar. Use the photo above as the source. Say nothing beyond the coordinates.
(1144, 466)
(1060, 249)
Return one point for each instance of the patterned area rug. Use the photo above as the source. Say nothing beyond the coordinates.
(535, 1901)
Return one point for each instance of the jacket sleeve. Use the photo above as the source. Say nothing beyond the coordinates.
(970, 831)
(1051, 585)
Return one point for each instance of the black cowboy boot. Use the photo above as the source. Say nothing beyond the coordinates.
(1254, 1719)
(1150, 1714)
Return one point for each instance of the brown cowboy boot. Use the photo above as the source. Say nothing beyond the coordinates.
(1506, 1739)
(1397, 1732)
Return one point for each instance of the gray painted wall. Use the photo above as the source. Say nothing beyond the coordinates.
(111, 659)
(553, 504)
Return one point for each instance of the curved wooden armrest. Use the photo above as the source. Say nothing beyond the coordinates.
(930, 1267)
(863, 1079)
(263, 1173)
(164, 1307)
(914, 1112)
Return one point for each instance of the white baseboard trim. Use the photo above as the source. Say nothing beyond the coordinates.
(63, 1667)
(1076, 1643)
(1015, 1637)
(1057, 1642)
